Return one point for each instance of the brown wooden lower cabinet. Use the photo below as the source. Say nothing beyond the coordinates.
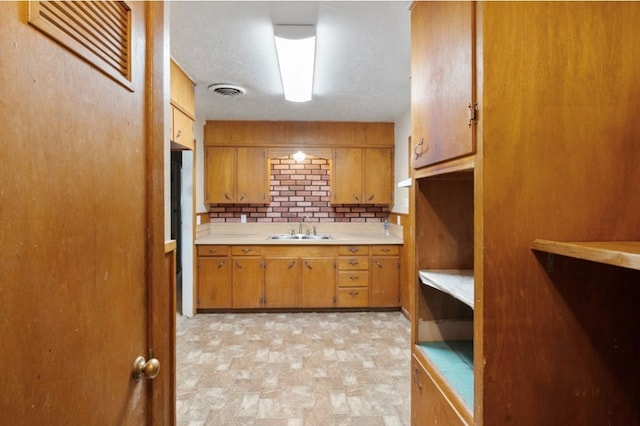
(214, 277)
(247, 281)
(429, 406)
(318, 289)
(281, 282)
(274, 276)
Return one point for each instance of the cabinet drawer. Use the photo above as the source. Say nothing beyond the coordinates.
(353, 278)
(246, 250)
(353, 250)
(213, 250)
(353, 263)
(385, 250)
(353, 297)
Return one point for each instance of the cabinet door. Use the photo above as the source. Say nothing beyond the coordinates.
(378, 174)
(182, 129)
(318, 283)
(385, 272)
(442, 69)
(248, 280)
(428, 405)
(281, 282)
(220, 171)
(214, 282)
(252, 174)
(346, 176)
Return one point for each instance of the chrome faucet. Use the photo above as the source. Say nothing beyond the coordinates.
(301, 222)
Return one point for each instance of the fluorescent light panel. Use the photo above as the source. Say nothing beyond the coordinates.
(296, 46)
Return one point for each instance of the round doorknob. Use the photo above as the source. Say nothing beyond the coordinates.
(145, 369)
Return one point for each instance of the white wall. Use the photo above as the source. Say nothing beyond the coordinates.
(198, 131)
(402, 133)
(192, 162)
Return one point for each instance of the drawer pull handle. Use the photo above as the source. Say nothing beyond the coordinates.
(211, 251)
(227, 196)
(307, 265)
(371, 198)
(247, 250)
(353, 262)
(354, 277)
(239, 266)
(386, 250)
(221, 264)
(378, 264)
(354, 293)
(291, 265)
(178, 134)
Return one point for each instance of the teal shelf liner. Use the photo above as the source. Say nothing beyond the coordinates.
(454, 360)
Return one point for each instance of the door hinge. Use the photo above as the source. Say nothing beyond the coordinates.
(473, 114)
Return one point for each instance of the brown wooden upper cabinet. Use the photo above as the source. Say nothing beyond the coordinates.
(183, 109)
(443, 108)
(362, 176)
(236, 175)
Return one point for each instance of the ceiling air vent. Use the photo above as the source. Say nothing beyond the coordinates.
(226, 89)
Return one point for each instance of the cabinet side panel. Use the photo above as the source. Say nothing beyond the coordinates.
(560, 160)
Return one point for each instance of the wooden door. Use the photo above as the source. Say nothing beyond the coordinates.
(346, 176)
(318, 289)
(82, 229)
(281, 282)
(442, 37)
(220, 175)
(252, 176)
(214, 282)
(378, 176)
(385, 271)
(248, 280)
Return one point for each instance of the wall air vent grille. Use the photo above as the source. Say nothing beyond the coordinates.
(228, 90)
(97, 31)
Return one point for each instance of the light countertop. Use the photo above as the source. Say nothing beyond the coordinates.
(258, 233)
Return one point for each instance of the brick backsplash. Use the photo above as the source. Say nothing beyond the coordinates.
(299, 189)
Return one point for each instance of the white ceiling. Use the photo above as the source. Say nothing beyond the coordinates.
(362, 58)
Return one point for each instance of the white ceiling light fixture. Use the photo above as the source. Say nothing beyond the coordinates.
(299, 156)
(296, 50)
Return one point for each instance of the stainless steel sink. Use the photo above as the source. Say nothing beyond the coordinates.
(299, 237)
(316, 237)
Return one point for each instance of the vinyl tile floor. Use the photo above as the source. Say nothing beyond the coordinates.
(345, 368)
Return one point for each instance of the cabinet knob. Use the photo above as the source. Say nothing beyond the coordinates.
(178, 134)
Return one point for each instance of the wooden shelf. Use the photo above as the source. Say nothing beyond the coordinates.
(625, 254)
(456, 282)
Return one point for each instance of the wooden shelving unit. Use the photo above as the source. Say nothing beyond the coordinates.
(625, 254)
(555, 344)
